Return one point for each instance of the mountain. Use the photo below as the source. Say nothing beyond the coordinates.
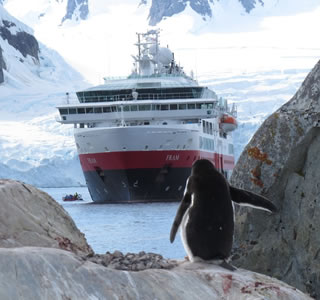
(33, 80)
(161, 9)
(77, 10)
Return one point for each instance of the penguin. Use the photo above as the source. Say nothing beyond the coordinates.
(206, 214)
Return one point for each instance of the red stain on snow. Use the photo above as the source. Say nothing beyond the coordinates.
(227, 283)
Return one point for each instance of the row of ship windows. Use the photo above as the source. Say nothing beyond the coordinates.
(207, 127)
(127, 108)
(208, 144)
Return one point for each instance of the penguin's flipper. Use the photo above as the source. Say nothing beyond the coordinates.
(185, 202)
(247, 198)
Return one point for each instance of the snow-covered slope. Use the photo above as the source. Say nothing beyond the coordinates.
(33, 147)
(254, 61)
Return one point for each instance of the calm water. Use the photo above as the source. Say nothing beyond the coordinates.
(124, 227)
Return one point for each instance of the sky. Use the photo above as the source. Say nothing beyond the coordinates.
(230, 42)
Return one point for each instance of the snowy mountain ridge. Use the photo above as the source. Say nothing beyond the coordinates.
(33, 79)
(161, 9)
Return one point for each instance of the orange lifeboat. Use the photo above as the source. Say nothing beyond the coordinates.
(228, 123)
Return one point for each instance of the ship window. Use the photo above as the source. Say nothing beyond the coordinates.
(198, 106)
(89, 110)
(210, 128)
(182, 106)
(204, 106)
(98, 110)
(146, 123)
(211, 144)
(230, 146)
(106, 109)
(164, 107)
(126, 108)
(210, 105)
(72, 111)
(63, 111)
(204, 125)
(173, 106)
(134, 107)
(191, 106)
(157, 107)
(81, 111)
(144, 107)
(81, 125)
(113, 108)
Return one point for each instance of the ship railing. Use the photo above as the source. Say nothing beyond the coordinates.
(141, 96)
(159, 75)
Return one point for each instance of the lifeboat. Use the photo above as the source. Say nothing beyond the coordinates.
(228, 123)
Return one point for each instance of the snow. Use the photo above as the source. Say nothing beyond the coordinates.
(257, 61)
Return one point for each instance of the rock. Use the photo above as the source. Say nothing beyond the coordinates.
(77, 10)
(20, 40)
(131, 261)
(44, 273)
(282, 162)
(2, 66)
(30, 217)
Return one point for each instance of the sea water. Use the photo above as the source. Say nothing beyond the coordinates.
(124, 227)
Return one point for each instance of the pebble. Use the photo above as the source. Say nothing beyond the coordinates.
(131, 261)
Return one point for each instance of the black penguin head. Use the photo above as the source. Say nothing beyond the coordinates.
(202, 166)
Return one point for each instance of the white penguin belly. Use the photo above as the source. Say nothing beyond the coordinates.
(183, 232)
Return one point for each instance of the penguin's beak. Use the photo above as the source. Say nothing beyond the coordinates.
(185, 203)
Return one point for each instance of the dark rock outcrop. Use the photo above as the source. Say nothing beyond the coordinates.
(22, 41)
(282, 162)
(250, 4)
(166, 8)
(77, 9)
(2, 66)
(161, 9)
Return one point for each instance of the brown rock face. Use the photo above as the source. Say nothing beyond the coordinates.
(30, 217)
(282, 162)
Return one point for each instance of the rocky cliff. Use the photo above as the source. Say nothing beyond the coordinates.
(282, 162)
(20, 40)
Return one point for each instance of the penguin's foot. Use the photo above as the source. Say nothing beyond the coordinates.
(227, 266)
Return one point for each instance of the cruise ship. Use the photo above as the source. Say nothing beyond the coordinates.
(137, 137)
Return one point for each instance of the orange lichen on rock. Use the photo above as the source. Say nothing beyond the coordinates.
(257, 182)
(256, 172)
(257, 154)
